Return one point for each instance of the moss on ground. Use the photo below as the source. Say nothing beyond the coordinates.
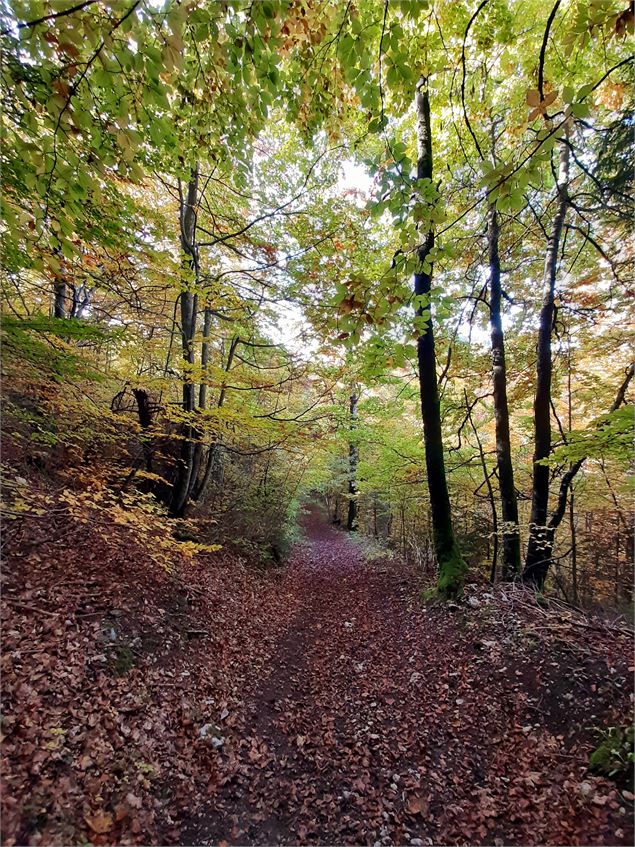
(613, 757)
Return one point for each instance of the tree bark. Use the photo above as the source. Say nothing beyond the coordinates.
(335, 518)
(214, 452)
(60, 293)
(450, 562)
(353, 457)
(509, 504)
(145, 422)
(490, 492)
(207, 326)
(537, 561)
(543, 564)
(188, 305)
(199, 447)
(574, 552)
(80, 299)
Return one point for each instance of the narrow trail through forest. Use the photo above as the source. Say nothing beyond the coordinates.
(383, 721)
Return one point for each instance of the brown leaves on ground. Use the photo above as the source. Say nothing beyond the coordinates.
(111, 667)
(386, 722)
(322, 703)
(417, 806)
(100, 823)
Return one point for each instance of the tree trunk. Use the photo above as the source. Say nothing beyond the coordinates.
(188, 303)
(549, 530)
(199, 447)
(214, 463)
(450, 562)
(574, 552)
(490, 492)
(80, 299)
(538, 555)
(509, 504)
(353, 457)
(60, 292)
(335, 519)
(145, 422)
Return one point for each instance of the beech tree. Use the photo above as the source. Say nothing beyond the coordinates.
(451, 565)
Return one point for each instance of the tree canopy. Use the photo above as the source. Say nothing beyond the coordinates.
(222, 220)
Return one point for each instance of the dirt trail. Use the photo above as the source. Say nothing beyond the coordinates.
(382, 721)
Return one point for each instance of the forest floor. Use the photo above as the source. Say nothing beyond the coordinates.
(319, 703)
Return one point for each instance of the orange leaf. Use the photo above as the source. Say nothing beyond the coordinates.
(121, 812)
(347, 306)
(101, 822)
(69, 49)
(533, 97)
(417, 806)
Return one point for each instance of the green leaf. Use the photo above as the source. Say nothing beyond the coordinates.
(580, 110)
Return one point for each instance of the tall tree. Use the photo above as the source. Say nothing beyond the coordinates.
(537, 560)
(188, 299)
(450, 562)
(541, 569)
(509, 503)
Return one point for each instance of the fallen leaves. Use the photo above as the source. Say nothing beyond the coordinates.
(104, 695)
(412, 725)
(417, 806)
(100, 823)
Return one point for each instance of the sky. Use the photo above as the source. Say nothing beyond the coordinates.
(355, 176)
(290, 323)
(290, 327)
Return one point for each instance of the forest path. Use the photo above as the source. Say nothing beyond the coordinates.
(383, 722)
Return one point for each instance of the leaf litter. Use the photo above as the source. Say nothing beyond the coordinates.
(279, 724)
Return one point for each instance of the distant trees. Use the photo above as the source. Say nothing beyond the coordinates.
(522, 199)
(353, 458)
